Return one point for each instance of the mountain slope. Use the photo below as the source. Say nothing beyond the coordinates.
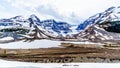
(58, 27)
(111, 14)
(102, 26)
(95, 33)
(31, 27)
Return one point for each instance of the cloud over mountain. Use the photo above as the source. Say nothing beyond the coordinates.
(60, 9)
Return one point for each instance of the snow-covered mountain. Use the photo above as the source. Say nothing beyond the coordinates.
(96, 33)
(102, 26)
(59, 27)
(111, 14)
(31, 27)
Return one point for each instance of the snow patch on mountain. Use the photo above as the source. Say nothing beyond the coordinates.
(111, 14)
(95, 33)
(32, 27)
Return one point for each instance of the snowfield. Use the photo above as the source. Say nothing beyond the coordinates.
(6, 39)
(86, 42)
(43, 43)
(15, 64)
(30, 45)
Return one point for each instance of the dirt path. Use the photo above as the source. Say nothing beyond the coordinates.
(62, 55)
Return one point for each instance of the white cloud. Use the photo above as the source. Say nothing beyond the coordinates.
(1, 7)
(63, 9)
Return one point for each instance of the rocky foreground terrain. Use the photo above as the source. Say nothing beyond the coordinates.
(63, 55)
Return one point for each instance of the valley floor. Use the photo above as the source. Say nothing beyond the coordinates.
(31, 54)
(62, 55)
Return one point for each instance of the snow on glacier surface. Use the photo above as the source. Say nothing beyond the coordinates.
(30, 45)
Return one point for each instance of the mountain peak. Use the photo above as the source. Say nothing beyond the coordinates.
(33, 15)
(110, 9)
(111, 14)
(102, 26)
(34, 26)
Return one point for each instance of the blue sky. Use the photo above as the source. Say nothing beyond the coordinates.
(68, 10)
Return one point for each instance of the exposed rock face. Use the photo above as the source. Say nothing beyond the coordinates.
(32, 27)
(102, 26)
